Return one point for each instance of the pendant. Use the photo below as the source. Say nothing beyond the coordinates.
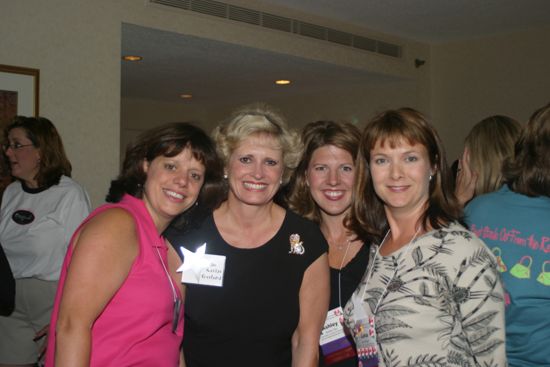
(296, 246)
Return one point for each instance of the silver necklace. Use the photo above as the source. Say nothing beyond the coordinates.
(340, 274)
(341, 246)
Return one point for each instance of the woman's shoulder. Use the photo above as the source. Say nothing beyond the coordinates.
(70, 185)
(181, 231)
(69, 192)
(295, 223)
(297, 220)
(456, 232)
(300, 229)
(13, 187)
(108, 219)
(459, 241)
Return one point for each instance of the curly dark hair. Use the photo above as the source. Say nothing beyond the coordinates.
(169, 140)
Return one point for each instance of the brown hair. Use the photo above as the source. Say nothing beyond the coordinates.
(490, 142)
(168, 140)
(528, 172)
(316, 135)
(368, 218)
(44, 136)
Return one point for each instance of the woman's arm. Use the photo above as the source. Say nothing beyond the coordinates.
(481, 306)
(7, 293)
(174, 262)
(104, 252)
(314, 299)
(182, 359)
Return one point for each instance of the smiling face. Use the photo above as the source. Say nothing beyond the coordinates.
(401, 176)
(330, 175)
(172, 185)
(255, 170)
(23, 157)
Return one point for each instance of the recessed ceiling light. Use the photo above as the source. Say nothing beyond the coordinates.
(186, 96)
(132, 58)
(282, 82)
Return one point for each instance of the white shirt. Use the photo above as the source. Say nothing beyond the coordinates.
(36, 226)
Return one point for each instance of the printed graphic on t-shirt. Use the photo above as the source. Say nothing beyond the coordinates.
(531, 247)
(23, 217)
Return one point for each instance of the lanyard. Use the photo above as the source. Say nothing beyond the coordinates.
(177, 301)
(371, 270)
(340, 275)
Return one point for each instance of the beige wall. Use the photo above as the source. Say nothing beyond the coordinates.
(76, 46)
(506, 74)
(356, 104)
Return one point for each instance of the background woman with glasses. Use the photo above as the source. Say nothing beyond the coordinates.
(39, 214)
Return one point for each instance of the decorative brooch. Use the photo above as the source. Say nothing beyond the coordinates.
(296, 246)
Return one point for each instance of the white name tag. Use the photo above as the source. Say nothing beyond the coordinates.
(201, 268)
(333, 328)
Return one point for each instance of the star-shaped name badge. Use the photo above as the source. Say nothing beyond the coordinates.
(193, 264)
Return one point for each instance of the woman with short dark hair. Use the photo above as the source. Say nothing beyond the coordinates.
(119, 302)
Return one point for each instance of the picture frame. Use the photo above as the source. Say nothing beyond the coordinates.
(19, 92)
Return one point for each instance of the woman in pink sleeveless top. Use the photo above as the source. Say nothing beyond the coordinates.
(119, 299)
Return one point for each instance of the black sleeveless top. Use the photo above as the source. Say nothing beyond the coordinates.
(249, 321)
(350, 276)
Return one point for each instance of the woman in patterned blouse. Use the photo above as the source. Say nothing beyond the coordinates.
(431, 295)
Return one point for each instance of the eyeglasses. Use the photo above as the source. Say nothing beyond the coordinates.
(15, 146)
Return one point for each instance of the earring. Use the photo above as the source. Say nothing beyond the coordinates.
(431, 177)
(225, 176)
(281, 181)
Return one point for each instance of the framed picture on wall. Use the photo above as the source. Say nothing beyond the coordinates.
(19, 88)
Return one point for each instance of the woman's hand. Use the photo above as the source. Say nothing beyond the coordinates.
(466, 179)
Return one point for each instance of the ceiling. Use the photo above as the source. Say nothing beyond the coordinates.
(430, 21)
(216, 71)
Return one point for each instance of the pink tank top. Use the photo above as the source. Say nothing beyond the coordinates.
(135, 328)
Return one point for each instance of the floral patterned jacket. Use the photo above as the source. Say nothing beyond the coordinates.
(437, 303)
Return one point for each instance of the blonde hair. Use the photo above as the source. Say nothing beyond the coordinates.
(259, 119)
(490, 142)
